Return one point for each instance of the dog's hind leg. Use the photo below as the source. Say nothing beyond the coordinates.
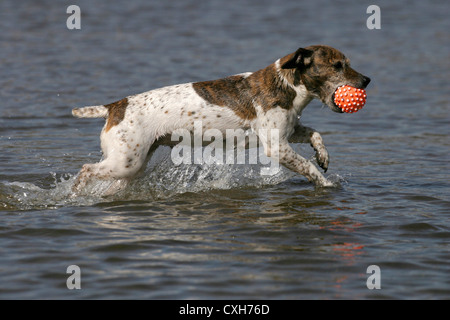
(118, 172)
(121, 163)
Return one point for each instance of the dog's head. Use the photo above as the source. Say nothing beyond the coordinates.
(322, 69)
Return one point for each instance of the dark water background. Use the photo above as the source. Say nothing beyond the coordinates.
(224, 232)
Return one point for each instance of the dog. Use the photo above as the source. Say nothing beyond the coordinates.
(271, 98)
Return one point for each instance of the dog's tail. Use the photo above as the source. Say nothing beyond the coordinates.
(90, 112)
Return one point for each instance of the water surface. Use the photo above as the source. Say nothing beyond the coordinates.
(224, 232)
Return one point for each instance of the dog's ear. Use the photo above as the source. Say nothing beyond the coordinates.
(301, 58)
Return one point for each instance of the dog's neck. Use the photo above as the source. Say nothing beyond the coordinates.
(290, 78)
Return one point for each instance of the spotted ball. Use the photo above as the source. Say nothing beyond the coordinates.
(350, 99)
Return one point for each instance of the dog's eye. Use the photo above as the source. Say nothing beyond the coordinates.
(337, 65)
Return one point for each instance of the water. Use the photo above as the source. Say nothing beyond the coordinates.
(220, 232)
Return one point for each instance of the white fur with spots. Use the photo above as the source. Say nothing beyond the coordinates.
(155, 114)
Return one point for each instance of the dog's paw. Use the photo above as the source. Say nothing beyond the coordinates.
(322, 158)
(321, 182)
(327, 183)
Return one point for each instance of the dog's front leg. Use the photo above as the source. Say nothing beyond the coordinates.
(308, 135)
(281, 151)
(292, 160)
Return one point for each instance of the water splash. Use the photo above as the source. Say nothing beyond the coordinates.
(161, 179)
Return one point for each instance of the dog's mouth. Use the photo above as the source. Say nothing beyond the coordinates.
(333, 106)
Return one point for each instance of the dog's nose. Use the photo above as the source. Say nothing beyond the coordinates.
(366, 81)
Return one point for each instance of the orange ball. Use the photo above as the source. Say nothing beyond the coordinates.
(350, 99)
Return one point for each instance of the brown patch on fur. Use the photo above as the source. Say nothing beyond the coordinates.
(116, 113)
(232, 92)
(269, 90)
(238, 93)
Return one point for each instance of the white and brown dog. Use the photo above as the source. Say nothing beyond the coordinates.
(271, 98)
